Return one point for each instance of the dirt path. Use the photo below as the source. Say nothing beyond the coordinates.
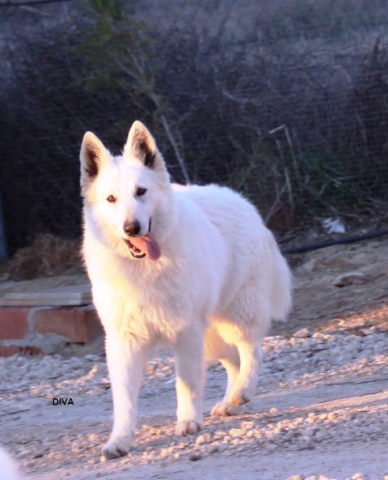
(321, 406)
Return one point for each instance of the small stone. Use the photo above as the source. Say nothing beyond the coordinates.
(295, 477)
(201, 439)
(350, 278)
(302, 333)
(195, 457)
(222, 447)
(247, 425)
(93, 437)
(273, 412)
(91, 358)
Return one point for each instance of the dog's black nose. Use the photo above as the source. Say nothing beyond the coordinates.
(132, 229)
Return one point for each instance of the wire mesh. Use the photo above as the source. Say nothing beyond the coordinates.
(285, 101)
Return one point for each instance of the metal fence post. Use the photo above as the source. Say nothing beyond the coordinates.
(3, 241)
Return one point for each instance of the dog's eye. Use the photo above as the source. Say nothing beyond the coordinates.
(140, 191)
(111, 199)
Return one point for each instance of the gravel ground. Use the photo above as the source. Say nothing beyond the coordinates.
(320, 412)
(306, 378)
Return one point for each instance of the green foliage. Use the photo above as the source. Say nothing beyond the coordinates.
(115, 47)
(118, 52)
(325, 182)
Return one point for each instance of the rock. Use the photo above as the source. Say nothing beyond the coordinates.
(302, 333)
(200, 440)
(222, 447)
(195, 457)
(350, 278)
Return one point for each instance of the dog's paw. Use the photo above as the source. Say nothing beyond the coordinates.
(187, 427)
(241, 397)
(117, 447)
(224, 409)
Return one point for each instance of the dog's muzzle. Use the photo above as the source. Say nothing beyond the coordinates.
(132, 229)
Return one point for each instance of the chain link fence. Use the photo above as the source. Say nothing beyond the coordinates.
(283, 100)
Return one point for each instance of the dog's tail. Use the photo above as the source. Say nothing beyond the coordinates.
(281, 295)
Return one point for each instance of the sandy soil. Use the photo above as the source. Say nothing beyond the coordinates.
(321, 408)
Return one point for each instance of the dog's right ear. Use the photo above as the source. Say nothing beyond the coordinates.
(93, 155)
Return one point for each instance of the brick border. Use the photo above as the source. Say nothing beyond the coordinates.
(76, 324)
(14, 323)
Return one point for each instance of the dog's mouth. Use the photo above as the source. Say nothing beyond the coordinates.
(134, 251)
(145, 246)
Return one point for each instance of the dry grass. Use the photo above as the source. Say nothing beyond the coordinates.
(48, 255)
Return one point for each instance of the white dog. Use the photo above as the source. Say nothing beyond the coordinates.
(192, 267)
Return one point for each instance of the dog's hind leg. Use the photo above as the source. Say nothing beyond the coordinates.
(189, 364)
(232, 367)
(242, 378)
(243, 326)
(216, 348)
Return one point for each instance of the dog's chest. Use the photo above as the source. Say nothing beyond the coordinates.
(152, 308)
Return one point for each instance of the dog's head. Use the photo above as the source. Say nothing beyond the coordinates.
(127, 199)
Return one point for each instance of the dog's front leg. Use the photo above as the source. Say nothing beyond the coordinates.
(125, 364)
(189, 366)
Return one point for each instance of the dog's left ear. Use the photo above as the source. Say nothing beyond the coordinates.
(141, 145)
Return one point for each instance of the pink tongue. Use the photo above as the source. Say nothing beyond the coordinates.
(148, 245)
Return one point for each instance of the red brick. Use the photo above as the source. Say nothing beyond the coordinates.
(80, 325)
(13, 323)
(28, 351)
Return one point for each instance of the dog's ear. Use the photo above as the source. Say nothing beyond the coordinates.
(93, 155)
(141, 145)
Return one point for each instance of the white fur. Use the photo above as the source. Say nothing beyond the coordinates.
(212, 293)
(8, 468)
